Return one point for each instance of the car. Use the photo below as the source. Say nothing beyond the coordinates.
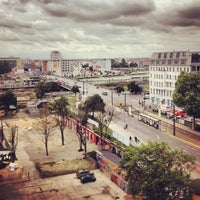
(104, 93)
(83, 172)
(179, 113)
(88, 178)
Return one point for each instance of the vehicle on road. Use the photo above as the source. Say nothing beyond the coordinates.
(88, 178)
(105, 93)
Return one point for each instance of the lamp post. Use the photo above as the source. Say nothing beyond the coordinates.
(144, 100)
(174, 121)
(125, 99)
(83, 87)
(112, 97)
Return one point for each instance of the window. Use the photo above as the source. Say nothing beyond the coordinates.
(183, 61)
(176, 61)
(169, 62)
(165, 55)
(171, 55)
(183, 54)
(177, 54)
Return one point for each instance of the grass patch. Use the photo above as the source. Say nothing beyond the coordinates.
(49, 169)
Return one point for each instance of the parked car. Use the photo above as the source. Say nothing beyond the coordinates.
(104, 93)
(83, 172)
(179, 113)
(88, 178)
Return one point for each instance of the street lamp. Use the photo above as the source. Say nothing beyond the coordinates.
(125, 99)
(83, 87)
(112, 97)
(174, 120)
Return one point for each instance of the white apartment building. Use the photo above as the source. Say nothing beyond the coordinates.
(164, 70)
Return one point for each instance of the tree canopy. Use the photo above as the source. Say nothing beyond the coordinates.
(133, 87)
(45, 87)
(187, 93)
(158, 172)
(119, 89)
(7, 99)
(75, 89)
(94, 103)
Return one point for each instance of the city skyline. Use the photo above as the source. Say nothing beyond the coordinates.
(97, 28)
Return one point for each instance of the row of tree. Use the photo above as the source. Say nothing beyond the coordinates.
(122, 64)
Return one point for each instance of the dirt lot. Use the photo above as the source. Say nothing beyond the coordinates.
(31, 149)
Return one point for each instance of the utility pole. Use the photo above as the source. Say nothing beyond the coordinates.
(83, 88)
(125, 99)
(112, 97)
(174, 121)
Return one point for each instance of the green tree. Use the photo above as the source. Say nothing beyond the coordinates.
(93, 104)
(75, 89)
(104, 118)
(8, 99)
(156, 171)
(133, 64)
(59, 106)
(40, 89)
(123, 63)
(52, 86)
(187, 94)
(133, 87)
(119, 89)
(115, 64)
(45, 87)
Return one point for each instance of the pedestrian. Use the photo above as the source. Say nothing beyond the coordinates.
(136, 139)
(126, 126)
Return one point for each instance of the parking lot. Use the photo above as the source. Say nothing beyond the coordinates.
(31, 150)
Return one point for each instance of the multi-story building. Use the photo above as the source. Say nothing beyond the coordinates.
(164, 70)
(11, 62)
(74, 67)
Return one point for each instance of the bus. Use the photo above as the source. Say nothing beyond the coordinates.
(149, 120)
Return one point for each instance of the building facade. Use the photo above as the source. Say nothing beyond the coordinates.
(74, 67)
(164, 71)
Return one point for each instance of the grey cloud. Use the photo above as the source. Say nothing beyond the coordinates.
(14, 23)
(186, 16)
(19, 5)
(192, 12)
(88, 11)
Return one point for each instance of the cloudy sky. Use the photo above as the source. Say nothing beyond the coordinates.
(97, 28)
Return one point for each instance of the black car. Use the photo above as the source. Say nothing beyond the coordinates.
(83, 172)
(88, 178)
